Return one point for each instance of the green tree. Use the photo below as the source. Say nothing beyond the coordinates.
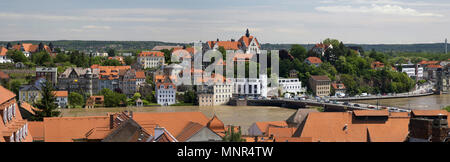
(447, 108)
(16, 56)
(298, 52)
(113, 99)
(129, 60)
(41, 58)
(76, 99)
(46, 105)
(111, 62)
(111, 52)
(232, 136)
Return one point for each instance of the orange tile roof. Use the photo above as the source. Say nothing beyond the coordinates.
(293, 139)
(6, 94)
(3, 51)
(189, 130)
(61, 93)
(174, 122)
(434, 66)
(314, 60)
(371, 112)
(151, 54)
(263, 126)
(228, 45)
(66, 129)
(428, 62)
(3, 75)
(280, 132)
(247, 40)
(428, 112)
(340, 127)
(216, 125)
(377, 64)
(28, 107)
(110, 72)
(118, 58)
(166, 85)
(140, 74)
(36, 128)
(338, 85)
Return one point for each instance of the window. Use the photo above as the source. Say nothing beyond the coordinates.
(5, 117)
(11, 138)
(14, 109)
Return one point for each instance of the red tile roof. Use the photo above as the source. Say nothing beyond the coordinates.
(428, 112)
(338, 85)
(3, 51)
(36, 128)
(434, 66)
(66, 129)
(5, 95)
(371, 113)
(61, 93)
(247, 40)
(377, 64)
(151, 54)
(314, 60)
(140, 75)
(428, 62)
(3, 75)
(228, 45)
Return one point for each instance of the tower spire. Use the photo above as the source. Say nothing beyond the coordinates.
(247, 33)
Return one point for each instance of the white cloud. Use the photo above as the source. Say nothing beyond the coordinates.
(96, 27)
(377, 9)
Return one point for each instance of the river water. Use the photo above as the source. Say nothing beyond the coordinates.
(433, 102)
(243, 116)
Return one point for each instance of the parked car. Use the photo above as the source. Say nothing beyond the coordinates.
(356, 105)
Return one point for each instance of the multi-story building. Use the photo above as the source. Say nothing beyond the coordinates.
(291, 85)
(62, 98)
(165, 93)
(218, 93)
(131, 80)
(414, 71)
(29, 93)
(443, 79)
(3, 57)
(80, 80)
(320, 48)
(247, 87)
(247, 43)
(50, 74)
(339, 89)
(13, 127)
(151, 59)
(109, 76)
(27, 48)
(313, 61)
(320, 85)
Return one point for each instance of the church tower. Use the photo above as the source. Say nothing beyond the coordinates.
(247, 33)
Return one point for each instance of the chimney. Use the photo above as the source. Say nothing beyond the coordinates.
(439, 129)
(131, 114)
(111, 121)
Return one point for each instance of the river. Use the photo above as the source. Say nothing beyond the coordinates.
(243, 116)
(433, 102)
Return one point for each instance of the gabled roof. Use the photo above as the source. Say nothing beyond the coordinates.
(3, 51)
(263, 126)
(428, 112)
(66, 129)
(28, 107)
(280, 132)
(189, 130)
(151, 54)
(247, 40)
(338, 86)
(320, 78)
(371, 113)
(5, 94)
(314, 60)
(228, 45)
(140, 74)
(216, 125)
(299, 116)
(61, 93)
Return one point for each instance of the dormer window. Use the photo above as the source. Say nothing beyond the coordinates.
(5, 115)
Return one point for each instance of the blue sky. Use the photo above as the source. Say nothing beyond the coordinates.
(271, 21)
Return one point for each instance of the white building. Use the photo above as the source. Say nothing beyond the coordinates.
(165, 93)
(413, 70)
(291, 85)
(62, 98)
(247, 87)
(151, 59)
(217, 94)
(3, 58)
(247, 43)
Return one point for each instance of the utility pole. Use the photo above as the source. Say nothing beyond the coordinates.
(446, 46)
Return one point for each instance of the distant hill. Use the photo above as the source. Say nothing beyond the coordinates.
(102, 46)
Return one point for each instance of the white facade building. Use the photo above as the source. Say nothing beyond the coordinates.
(3, 58)
(410, 70)
(247, 86)
(290, 85)
(151, 59)
(165, 94)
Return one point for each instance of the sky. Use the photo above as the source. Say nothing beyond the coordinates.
(186, 21)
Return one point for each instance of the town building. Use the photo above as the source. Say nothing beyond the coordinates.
(109, 76)
(443, 80)
(130, 127)
(80, 80)
(355, 126)
(293, 73)
(261, 128)
(50, 74)
(247, 43)
(94, 101)
(429, 126)
(291, 85)
(62, 98)
(30, 93)
(13, 128)
(219, 92)
(320, 85)
(130, 81)
(320, 48)
(339, 89)
(3, 57)
(414, 71)
(313, 61)
(28, 49)
(118, 58)
(165, 93)
(247, 87)
(151, 59)
(377, 65)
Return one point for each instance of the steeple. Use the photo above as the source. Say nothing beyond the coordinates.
(247, 33)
